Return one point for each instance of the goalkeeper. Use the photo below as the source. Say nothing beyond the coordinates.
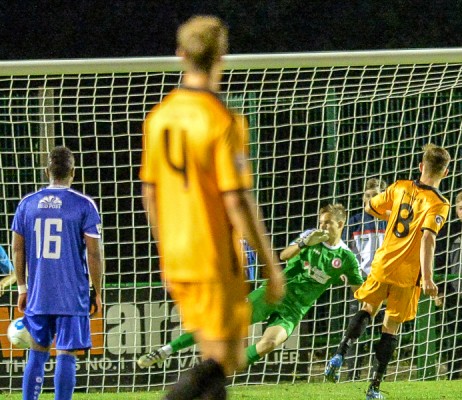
(316, 260)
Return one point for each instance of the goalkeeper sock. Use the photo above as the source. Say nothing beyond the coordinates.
(356, 328)
(33, 374)
(181, 342)
(252, 355)
(65, 379)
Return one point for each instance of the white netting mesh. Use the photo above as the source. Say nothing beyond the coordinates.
(316, 134)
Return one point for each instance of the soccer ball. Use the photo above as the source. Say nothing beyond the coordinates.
(18, 335)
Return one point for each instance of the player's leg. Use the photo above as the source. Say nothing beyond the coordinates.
(356, 327)
(353, 355)
(371, 294)
(219, 332)
(65, 375)
(260, 311)
(401, 306)
(272, 338)
(384, 349)
(42, 336)
(158, 356)
(72, 334)
(206, 380)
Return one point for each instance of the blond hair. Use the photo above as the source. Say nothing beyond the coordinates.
(337, 210)
(436, 159)
(459, 197)
(374, 183)
(202, 40)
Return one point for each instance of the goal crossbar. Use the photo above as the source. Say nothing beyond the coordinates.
(234, 62)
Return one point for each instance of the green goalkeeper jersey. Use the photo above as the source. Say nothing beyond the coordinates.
(315, 269)
(308, 276)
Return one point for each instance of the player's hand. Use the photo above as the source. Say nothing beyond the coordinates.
(315, 237)
(439, 301)
(22, 300)
(95, 302)
(429, 288)
(275, 287)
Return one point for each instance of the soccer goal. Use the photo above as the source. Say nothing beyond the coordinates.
(320, 125)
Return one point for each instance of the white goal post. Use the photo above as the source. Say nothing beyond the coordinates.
(320, 125)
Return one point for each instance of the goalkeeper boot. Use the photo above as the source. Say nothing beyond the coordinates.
(333, 367)
(154, 357)
(374, 393)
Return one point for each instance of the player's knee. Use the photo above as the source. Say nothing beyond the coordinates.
(369, 308)
(266, 346)
(358, 324)
(390, 326)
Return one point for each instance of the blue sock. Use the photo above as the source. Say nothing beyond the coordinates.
(33, 374)
(65, 377)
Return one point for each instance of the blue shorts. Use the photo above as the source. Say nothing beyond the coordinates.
(72, 332)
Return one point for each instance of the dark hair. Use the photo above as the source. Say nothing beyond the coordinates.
(60, 163)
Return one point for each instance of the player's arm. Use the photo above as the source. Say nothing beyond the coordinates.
(19, 262)
(290, 251)
(95, 266)
(427, 251)
(242, 212)
(7, 267)
(6, 282)
(149, 204)
(314, 237)
(374, 213)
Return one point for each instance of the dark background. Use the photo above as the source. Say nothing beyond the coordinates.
(43, 29)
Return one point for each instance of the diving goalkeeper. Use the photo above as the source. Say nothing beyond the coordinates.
(315, 260)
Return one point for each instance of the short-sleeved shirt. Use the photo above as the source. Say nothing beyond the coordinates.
(414, 207)
(194, 150)
(53, 222)
(311, 272)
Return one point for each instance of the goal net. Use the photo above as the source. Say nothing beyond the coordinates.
(321, 124)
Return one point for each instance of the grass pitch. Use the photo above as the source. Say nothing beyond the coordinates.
(431, 390)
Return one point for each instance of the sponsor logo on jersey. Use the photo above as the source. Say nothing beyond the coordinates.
(439, 219)
(316, 273)
(337, 263)
(50, 202)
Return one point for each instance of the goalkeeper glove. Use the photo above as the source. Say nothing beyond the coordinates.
(314, 237)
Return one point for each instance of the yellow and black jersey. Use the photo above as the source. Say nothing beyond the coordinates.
(414, 207)
(194, 149)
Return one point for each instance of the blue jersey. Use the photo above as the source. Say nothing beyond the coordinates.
(53, 222)
(250, 260)
(5, 264)
(364, 235)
